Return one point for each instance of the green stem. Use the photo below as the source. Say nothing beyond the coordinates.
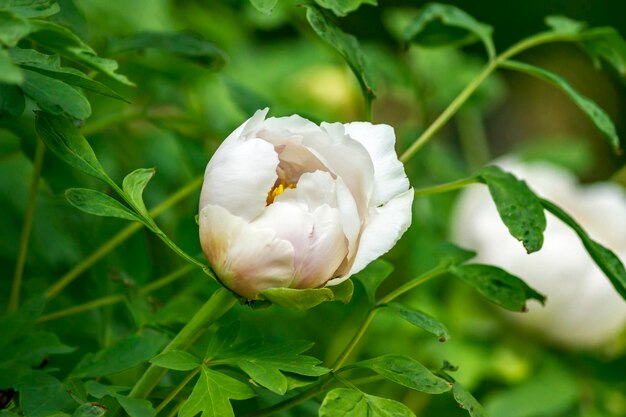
(113, 299)
(368, 108)
(411, 285)
(469, 89)
(473, 137)
(355, 339)
(27, 226)
(177, 389)
(220, 302)
(118, 238)
(450, 186)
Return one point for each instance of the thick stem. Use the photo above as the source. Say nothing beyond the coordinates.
(14, 299)
(220, 302)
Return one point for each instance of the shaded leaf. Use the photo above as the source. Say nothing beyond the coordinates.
(344, 402)
(9, 72)
(16, 325)
(222, 340)
(89, 410)
(422, 320)
(449, 254)
(443, 25)
(136, 407)
(11, 102)
(35, 347)
(31, 8)
(606, 44)
(134, 184)
(407, 372)
(343, 291)
(563, 24)
(498, 285)
(42, 395)
(264, 6)
(600, 119)
(519, 208)
(343, 7)
(99, 204)
(177, 360)
(247, 100)
(374, 275)
(12, 28)
(98, 390)
(54, 96)
(467, 401)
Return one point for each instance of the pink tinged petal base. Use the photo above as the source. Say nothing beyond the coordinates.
(247, 259)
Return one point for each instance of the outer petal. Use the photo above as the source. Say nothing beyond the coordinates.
(239, 176)
(389, 176)
(246, 259)
(385, 227)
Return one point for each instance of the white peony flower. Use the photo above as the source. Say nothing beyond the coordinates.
(582, 309)
(288, 203)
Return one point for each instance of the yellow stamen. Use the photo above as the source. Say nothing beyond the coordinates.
(279, 187)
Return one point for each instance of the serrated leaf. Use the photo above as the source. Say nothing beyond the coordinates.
(9, 72)
(12, 28)
(264, 6)
(445, 25)
(134, 184)
(374, 275)
(89, 410)
(563, 24)
(188, 45)
(99, 204)
(222, 340)
(606, 260)
(31, 8)
(125, 354)
(422, 320)
(407, 372)
(467, 401)
(65, 141)
(212, 394)
(54, 96)
(297, 299)
(136, 407)
(600, 119)
(347, 45)
(265, 362)
(177, 360)
(519, 208)
(11, 102)
(343, 402)
(50, 65)
(343, 7)
(42, 395)
(498, 285)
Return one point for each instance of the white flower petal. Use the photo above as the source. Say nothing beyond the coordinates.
(247, 259)
(389, 176)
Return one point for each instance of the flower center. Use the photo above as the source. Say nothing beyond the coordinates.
(279, 187)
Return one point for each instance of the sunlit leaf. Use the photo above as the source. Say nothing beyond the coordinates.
(12, 28)
(134, 184)
(9, 72)
(467, 401)
(297, 299)
(343, 402)
(422, 320)
(264, 6)
(343, 7)
(177, 360)
(563, 24)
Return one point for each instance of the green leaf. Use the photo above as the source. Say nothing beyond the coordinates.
(422, 320)
(600, 119)
(446, 25)
(188, 45)
(16, 325)
(42, 395)
(125, 354)
(65, 141)
(99, 204)
(34, 348)
(54, 96)
(606, 260)
(177, 360)
(297, 299)
(12, 28)
(136, 407)
(449, 254)
(11, 102)
(606, 44)
(89, 410)
(407, 372)
(98, 390)
(343, 291)
(563, 24)
(212, 394)
(346, 45)
(222, 340)
(134, 184)
(498, 285)
(343, 7)
(467, 402)
(264, 6)
(67, 44)
(50, 65)
(9, 72)
(31, 8)
(374, 275)
(519, 208)
(344, 402)
(265, 362)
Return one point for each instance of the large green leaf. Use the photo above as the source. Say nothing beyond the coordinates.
(99, 204)
(54, 96)
(343, 402)
(519, 208)
(422, 320)
(42, 395)
(600, 119)
(372, 276)
(31, 8)
(346, 45)
(343, 7)
(212, 394)
(9, 72)
(498, 285)
(407, 372)
(11, 102)
(12, 28)
(444, 25)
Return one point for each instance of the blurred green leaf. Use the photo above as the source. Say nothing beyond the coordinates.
(16, 325)
(449, 254)
(31, 8)
(89, 410)
(608, 44)
(136, 407)
(264, 6)
(498, 285)
(344, 402)
(446, 25)
(346, 45)
(50, 65)
(247, 100)
(54, 96)
(343, 7)
(12, 28)
(188, 45)
(606, 260)
(407, 372)
(563, 24)
(98, 390)
(177, 360)
(422, 320)
(66, 142)
(212, 394)
(42, 395)
(374, 275)
(592, 110)
(99, 204)
(343, 291)
(134, 185)
(34, 348)
(11, 102)
(9, 72)
(519, 208)
(297, 299)
(467, 401)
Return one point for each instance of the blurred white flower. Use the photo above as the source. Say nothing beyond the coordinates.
(288, 203)
(582, 309)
